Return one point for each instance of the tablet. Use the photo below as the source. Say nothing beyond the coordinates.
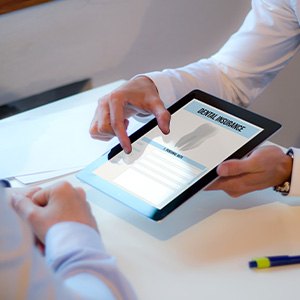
(164, 171)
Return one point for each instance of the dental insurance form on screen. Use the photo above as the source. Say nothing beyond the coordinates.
(162, 166)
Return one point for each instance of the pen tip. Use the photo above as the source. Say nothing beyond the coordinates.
(252, 264)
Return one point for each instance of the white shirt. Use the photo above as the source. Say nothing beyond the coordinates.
(78, 267)
(245, 65)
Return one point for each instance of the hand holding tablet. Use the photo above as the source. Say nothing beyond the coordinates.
(163, 171)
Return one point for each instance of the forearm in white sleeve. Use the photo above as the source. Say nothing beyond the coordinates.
(76, 253)
(79, 267)
(23, 271)
(245, 65)
(207, 75)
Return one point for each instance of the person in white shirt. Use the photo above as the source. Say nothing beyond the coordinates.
(73, 263)
(267, 40)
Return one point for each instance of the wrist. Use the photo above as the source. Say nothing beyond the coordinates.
(146, 82)
(287, 166)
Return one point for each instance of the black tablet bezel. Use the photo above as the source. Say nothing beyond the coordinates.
(269, 127)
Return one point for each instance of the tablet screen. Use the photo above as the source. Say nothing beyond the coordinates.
(160, 167)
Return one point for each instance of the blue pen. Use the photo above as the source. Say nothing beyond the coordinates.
(274, 261)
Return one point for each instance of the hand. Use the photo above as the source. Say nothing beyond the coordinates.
(265, 167)
(138, 95)
(49, 206)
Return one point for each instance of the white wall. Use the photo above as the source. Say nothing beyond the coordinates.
(65, 41)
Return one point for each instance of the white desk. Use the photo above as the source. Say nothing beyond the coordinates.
(201, 251)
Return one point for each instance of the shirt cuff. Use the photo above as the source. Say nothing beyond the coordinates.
(66, 237)
(164, 86)
(295, 179)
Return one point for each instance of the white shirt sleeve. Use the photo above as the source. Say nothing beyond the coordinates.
(78, 265)
(246, 64)
(76, 253)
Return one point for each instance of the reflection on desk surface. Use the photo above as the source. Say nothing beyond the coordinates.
(197, 209)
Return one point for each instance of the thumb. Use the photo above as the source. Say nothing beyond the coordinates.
(234, 167)
(41, 197)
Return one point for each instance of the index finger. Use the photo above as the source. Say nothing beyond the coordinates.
(119, 123)
(162, 116)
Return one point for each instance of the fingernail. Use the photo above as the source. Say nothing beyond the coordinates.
(222, 170)
(128, 151)
(128, 148)
(165, 128)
